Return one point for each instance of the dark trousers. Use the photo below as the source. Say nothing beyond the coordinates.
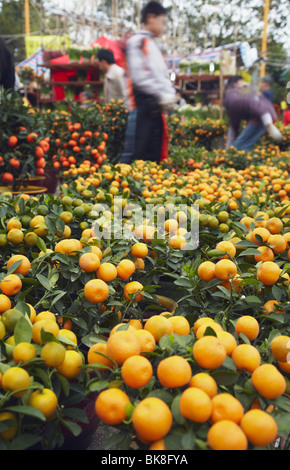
(149, 135)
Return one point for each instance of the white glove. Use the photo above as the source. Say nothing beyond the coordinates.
(275, 133)
(168, 101)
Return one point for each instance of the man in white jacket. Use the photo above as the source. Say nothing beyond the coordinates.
(150, 91)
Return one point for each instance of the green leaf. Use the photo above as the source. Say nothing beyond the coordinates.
(74, 428)
(14, 266)
(175, 408)
(44, 281)
(23, 331)
(24, 441)
(28, 411)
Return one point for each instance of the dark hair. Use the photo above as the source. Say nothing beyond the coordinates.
(267, 79)
(152, 8)
(107, 55)
(233, 80)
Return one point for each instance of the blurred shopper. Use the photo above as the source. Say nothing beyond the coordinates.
(151, 93)
(7, 71)
(180, 99)
(258, 111)
(286, 115)
(265, 86)
(114, 82)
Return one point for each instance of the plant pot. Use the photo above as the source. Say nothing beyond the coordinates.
(51, 180)
(31, 190)
(88, 405)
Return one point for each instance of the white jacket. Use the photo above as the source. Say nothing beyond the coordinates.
(146, 66)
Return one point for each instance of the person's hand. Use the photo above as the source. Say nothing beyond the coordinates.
(275, 133)
(168, 101)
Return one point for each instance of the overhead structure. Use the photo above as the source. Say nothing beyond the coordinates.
(264, 37)
(27, 17)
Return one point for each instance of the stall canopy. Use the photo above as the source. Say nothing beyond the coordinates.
(66, 74)
(35, 62)
(114, 46)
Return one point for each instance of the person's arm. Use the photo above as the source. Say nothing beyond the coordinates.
(144, 65)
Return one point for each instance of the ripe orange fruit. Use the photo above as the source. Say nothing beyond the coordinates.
(268, 381)
(68, 246)
(48, 326)
(44, 400)
(202, 329)
(97, 251)
(136, 371)
(201, 321)
(71, 365)
(139, 250)
(89, 262)
(247, 357)
(110, 406)
(140, 264)
(205, 382)
(206, 271)
(228, 340)
(53, 353)
(225, 269)
(270, 306)
(226, 406)
(158, 445)
(178, 241)
(146, 341)
(13, 223)
(274, 225)
(9, 433)
(227, 247)
(226, 435)
(248, 326)
(98, 354)
(96, 291)
(122, 327)
(261, 232)
(171, 226)
(5, 303)
(45, 315)
(174, 371)
(121, 345)
(24, 266)
(107, 272)
(152, 419)
(260, 427)
(195, 405)
(14, 380)
(137, 324)
(277, 243)
(268, 273)
(280, 347)
(125, 269)
(180, 325)
(132, 291)
(158, 326)
(11, 284)
(64, 334)
(266, 254)
(209, 352)
(23, 352)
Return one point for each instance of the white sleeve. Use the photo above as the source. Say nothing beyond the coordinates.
(146, 71)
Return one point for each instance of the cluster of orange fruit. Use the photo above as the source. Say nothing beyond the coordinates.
(230, 426)
(79, 146)
(272, 240)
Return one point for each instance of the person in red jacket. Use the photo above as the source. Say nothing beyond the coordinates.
(286, 116)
